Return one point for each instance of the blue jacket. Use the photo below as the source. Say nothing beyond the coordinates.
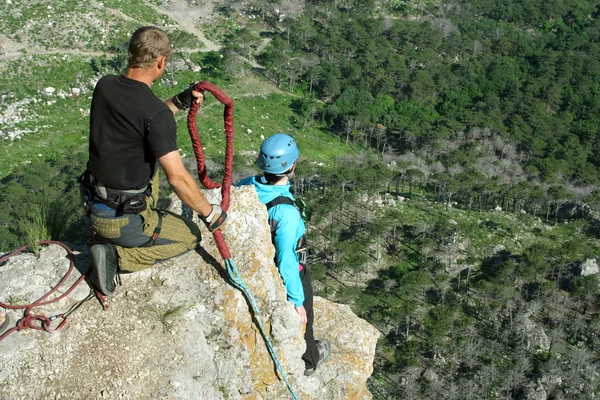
(289, 228)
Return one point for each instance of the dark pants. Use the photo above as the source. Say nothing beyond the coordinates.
(311, 356)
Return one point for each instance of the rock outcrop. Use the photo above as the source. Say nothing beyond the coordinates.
(589, 267)
(179, 330)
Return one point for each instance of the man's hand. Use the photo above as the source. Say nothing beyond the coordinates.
(215, 219)
(183, 100)
(302, 313)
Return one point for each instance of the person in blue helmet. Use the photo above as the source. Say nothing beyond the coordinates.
(277, 159)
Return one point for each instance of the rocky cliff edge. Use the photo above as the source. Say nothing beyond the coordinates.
(179, 330)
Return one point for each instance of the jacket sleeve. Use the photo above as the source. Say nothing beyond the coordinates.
(286, 257)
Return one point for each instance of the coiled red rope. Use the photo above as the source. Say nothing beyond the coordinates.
(43, 322)
(199, 153)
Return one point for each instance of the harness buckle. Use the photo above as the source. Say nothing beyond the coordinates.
(302, 256)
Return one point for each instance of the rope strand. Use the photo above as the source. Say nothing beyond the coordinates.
(27, 322)
(234, 274)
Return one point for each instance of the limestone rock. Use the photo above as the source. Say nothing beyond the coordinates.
(179, 329)
(498, 249)
(589, 267)
(536, 393)
(536, 336)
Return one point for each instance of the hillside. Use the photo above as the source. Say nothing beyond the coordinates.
(47, 80)
(449, 156)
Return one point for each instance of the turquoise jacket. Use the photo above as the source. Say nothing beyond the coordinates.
(288, 229)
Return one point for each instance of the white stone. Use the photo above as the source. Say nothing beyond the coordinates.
(498, 248)
(589, 267)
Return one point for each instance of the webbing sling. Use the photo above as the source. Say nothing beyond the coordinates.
(232, 271)
(157, 230)
(280, 200)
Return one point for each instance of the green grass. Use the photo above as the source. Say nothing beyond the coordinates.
(516, 232)
(105, 25)
(256, 118)
(49, 25)
(58, 126)
(49, 221)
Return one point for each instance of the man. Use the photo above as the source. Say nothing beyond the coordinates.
(277, 159)
(131, 132)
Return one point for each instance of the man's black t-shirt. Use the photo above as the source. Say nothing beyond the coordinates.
(129, 129)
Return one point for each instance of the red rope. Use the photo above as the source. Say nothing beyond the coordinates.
(203, 175)
(199, 153)
(28, 320)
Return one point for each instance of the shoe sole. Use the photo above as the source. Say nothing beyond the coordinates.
(99, 269)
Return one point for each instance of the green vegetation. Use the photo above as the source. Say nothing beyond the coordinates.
(449, 155)
(477, 88)
(477, 106)
(462, 297)
(49, 221)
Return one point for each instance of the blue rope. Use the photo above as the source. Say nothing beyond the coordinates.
(238, 282)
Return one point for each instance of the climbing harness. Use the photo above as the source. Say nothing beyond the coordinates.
(301, 246)
(299, 204)
(43, 322)
(123, 201)
(232, 271)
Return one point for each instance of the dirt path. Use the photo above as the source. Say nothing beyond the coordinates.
(30, 52)
(189, 17)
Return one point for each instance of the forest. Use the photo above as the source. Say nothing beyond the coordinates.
(457, 207)
(469, 107)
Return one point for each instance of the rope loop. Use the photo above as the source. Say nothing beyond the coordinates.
(29, 321)
(197, 144)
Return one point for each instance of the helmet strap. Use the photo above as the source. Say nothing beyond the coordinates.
(290, 172)
(287, 174)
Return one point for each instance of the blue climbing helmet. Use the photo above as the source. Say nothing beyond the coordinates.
(277, 153)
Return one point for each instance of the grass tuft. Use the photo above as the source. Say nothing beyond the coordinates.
(49, 221)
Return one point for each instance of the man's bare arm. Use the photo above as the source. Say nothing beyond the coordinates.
(183, 183)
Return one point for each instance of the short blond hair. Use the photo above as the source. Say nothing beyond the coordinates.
(147, 44)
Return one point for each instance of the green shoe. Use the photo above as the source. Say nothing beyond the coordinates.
(104, 267)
